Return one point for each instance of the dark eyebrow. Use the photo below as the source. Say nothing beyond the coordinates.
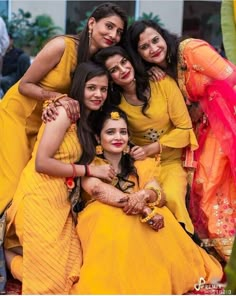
(115, 25)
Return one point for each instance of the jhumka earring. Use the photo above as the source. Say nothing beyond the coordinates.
(169, 58)
(90, 35)
(99, 150)
(126, 150)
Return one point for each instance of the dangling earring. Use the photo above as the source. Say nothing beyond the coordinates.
(90, 35)
(169, 58)
(126, 150)
(99, 150)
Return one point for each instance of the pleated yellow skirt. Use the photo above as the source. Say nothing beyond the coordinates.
(121, 255)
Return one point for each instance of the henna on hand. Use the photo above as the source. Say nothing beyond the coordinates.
(136, 203)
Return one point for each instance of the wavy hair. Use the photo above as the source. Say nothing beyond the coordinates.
(142, 79)
(131, 45)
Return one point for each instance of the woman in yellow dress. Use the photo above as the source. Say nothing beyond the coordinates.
(39, 220)
(48, 77)
(131, 242)
(158, 121)
(207, 81)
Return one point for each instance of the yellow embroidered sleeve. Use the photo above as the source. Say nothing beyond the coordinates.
(182, 134)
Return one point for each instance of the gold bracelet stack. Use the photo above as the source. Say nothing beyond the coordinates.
(149, 216)
(158, 194)
(53, 100)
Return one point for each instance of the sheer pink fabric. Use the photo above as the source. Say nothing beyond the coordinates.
(209, 79)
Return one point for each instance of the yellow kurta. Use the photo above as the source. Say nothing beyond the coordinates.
(168, 121)
(40, 221)
(121, 255)
(20, 119)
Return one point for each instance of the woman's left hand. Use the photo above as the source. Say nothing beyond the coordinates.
(138, 153)
(156, 73)
(49, 113)
(157, 222)
(72, 108)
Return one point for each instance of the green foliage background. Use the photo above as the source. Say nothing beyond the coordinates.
(31, 34)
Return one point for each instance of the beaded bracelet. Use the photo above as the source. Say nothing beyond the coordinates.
(149, 216)
(158, 194)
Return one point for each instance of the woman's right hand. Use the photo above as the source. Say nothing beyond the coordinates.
(104, 172)
(70, 105)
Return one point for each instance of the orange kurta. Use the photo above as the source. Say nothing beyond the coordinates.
(20, 119)
(213, 196)
(40, 221)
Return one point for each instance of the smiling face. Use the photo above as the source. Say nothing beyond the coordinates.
(105, 32)
(95, 92)
(120, 69)
(152, 47)
(114, 136)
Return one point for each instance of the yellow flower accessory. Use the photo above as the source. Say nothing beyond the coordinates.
(115, 115)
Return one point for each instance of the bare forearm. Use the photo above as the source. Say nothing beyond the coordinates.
(56, 168)
(32, 90)
(109, 195)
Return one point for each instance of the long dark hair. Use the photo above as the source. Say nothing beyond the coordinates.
(131, 45)
(142, 81)
(84, 72)
(126, 162)
(102, 11)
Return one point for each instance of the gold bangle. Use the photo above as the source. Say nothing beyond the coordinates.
(158, 199)
(59, 97)
(149, 216)
(46, 104)
(53, 101)
(160, 147)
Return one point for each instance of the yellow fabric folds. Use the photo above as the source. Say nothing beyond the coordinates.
(20, 119)
(168, 121)
(121, 255)
(40, 221)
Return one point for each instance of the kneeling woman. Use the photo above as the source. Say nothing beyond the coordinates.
(39, 219)
(131, 242)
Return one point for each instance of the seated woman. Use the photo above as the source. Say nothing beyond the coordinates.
(208, 83)
(159, 123)
(131, 243)
(40, 223)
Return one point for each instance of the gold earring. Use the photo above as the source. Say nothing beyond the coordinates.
(168, 59)
(90, 35)
(99, 150)
(126, 150)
